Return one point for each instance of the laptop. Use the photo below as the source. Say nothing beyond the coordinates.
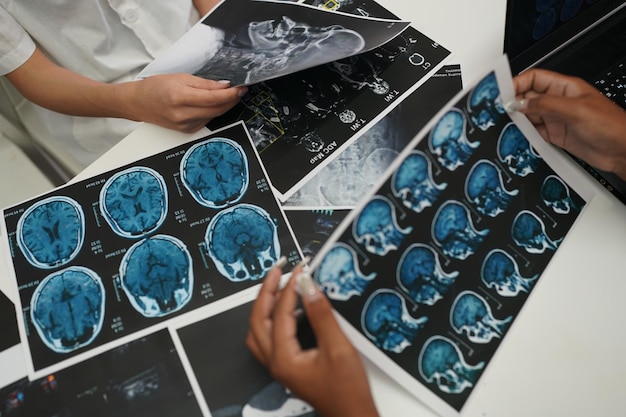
(584, 38)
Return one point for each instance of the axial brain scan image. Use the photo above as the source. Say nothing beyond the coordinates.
(215, 172)
(67, 309)
(157, 276)
(51, 232)
(134, 202)
(243, 242)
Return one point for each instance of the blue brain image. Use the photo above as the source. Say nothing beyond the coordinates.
(243, 242)
(134, 202)
(51, 232)
(215, 172)
(157, 276)
(67, 309)
(485, 103)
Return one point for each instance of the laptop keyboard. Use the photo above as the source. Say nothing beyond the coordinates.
(613, 83)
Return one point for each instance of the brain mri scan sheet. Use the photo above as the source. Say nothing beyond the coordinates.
(302, 121)
(434, 264)
(249, 41)
(137, 247)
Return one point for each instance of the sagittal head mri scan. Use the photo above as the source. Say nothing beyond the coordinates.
(484, 187)
(338, 273)
(413, 182)
(454, 232)
(471, 316)
(501, 272)
(448, 140)
(377, 229)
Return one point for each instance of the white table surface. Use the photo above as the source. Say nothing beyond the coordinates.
(564, 354)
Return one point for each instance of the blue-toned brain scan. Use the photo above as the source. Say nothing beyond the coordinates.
(471, 315)
(485, 103)
(515, 151)
(51, 232)
(376, 227)
(243, 242)
(441, 362)
(484, 186)
(386, 321)
(215, 172)
(556, 194)
(157, 275)
(421, 276)
(134, 202)
(529, 232)
(67, 309)
(449, 142)
(338, 273)
(413, 182)
(454, 232)
(501, 272)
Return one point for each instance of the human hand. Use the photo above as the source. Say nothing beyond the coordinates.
(572, 114)
(330, 376)
(181, 102)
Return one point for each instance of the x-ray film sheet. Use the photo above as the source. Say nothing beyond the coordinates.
(431, 269)
(140, 378)
(127, 251)
(302, 121)
(249, 41)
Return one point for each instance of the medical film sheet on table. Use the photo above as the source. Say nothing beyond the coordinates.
(430, 270)
(302, 121)
(121, 254)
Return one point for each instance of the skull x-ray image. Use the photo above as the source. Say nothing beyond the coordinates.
(157, 275)
(529, 232)
(441, 362)
(67, 309)
(421, 275)
(454, 232)
(243, 242)
(500, 271)
(471, 316)
(414, 184)
(387, 322)
(339, 275)
(215, 172)
(134, 202)
(485, 188)
(448, 140)
(377, 229)
(515, 151)
(51, 232)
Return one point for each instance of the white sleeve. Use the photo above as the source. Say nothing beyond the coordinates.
(16, 46)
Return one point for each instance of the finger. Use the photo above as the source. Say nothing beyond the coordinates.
(320, 314)
(285, 325)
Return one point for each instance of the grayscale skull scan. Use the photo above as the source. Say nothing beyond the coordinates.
(67, 309)
(454, 232)
(377, 229)
(413, 182)
(134, 202)
(442, 363)
(215, 172)
(500, 271)
(471, 316)
(448, 140)
(421, 276)
(51, 232)
(515, 151)
(157, 275)
(387, 322)
(529, 232)
(338, 273)
(485, 188)
(243, 242)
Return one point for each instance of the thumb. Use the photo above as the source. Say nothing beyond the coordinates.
(319, 312)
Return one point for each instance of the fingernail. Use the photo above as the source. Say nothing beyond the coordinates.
(516, 105)
(304, 261)
(281, 262)
(224, 81)
(242, 91)
(306, 287)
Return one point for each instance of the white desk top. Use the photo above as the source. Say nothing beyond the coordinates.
(563, 356)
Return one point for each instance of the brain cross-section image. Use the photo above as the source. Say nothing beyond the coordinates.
(51, 232)
(134, 202)
(215, 172)
(448, 140)
(485, 103)
(471, 315)
(454, 232)
(243, 242)
(157, 276)
(67, 309)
